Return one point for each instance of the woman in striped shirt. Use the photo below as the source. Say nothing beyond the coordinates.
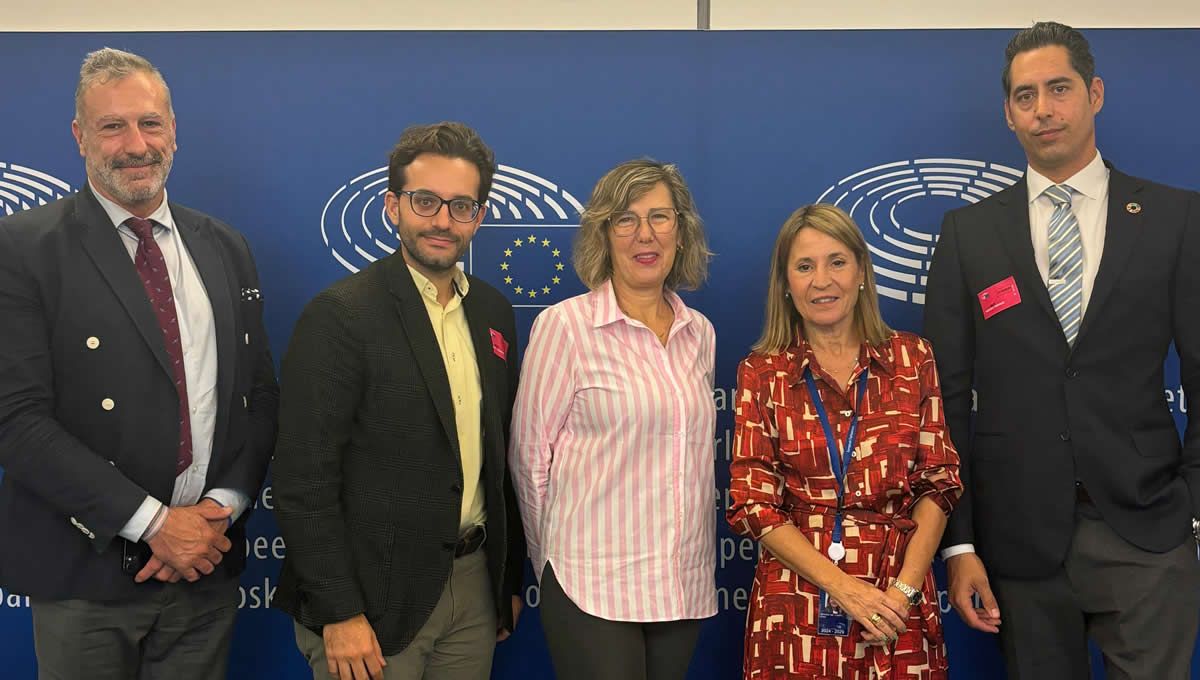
(611, 450)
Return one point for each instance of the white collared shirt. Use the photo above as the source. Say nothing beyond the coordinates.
(198, 337)
(1089, 202)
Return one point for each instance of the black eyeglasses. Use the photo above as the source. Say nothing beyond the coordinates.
(626, 222)
(428, 204)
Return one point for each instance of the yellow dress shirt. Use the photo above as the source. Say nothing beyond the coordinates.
(458, 354)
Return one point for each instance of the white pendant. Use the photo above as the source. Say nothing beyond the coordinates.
(837, 551)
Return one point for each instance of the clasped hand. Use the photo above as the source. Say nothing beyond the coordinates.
(190, 544)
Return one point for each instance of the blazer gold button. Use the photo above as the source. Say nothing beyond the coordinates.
(1133, 208)
(93, 342)
(107, 404)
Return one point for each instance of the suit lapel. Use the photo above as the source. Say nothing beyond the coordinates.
(1120, 238)
(211, 267)
(419, 331)
(104, 247)
(1015, 234)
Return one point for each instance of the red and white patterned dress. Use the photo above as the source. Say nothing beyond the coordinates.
(781, 474)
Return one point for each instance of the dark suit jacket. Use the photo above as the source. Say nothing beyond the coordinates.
(368, 480)
(1049, 415)
(74, 473)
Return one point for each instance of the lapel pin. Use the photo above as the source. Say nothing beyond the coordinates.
(1133, 208)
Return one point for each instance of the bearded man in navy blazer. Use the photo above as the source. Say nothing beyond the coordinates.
(1057, 300)
(137, 402)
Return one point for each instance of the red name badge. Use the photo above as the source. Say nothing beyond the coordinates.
(998, 297)
(499, 344)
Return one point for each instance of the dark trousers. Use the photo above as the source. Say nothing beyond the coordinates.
(1141, 608)
(181, 632)
(585, 647)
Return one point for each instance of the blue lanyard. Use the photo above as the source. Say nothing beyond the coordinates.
(839, 463)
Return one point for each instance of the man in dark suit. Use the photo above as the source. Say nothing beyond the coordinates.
(137, 402)
(1057, 300)
(405, 546)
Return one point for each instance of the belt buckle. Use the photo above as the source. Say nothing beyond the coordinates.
(1081, 494)
(471, 541)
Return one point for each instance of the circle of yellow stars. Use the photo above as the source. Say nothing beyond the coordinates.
(530, 243)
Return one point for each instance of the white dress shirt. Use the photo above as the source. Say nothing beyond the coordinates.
(1089, 202)
(198, 336)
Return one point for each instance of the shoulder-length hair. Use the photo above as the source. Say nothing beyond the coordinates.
(621, 186)
(782, 322)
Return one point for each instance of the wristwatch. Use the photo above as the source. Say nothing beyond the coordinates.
(913, 595)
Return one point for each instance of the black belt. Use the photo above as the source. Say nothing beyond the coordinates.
(470, 541)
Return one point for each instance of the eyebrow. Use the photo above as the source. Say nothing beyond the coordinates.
(829, 256)
(1060, 80)
(452, 198)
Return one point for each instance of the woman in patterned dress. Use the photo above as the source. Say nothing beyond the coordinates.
(823, 335)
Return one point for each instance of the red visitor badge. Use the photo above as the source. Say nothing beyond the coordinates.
(998, 297)
(499, 344)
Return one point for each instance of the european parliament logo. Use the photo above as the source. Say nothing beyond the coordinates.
(522, 248)
(22, 188)
(898, 206)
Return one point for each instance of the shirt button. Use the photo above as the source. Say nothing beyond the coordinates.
(108, 404)
(1071, 373)
(93, 342)
(1065, 435)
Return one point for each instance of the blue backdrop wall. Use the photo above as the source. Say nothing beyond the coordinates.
(283, 135)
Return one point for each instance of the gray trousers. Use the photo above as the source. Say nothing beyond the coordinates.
(1142, 610)
(586, 647)
(182, 632)
(456, 643)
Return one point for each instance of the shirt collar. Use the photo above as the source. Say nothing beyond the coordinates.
(801, 355)
(118, 215)
(427, 288)
(605, 309)
(1091, 181)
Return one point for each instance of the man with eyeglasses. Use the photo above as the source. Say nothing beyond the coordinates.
(405, 549)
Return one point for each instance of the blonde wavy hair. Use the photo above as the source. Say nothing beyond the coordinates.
(621, 186)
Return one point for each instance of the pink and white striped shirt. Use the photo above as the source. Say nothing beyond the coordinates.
(612, 459)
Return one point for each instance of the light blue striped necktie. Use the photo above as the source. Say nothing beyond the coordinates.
(1066, 262)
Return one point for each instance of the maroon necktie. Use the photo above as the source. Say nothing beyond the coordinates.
(153, 271)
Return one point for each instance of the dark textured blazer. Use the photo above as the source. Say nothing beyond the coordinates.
(74, 473)
(368, 480)
(1049, 414)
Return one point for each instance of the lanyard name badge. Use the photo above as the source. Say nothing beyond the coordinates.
(832, 619)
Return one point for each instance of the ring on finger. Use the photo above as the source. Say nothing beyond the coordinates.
(876, 618)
